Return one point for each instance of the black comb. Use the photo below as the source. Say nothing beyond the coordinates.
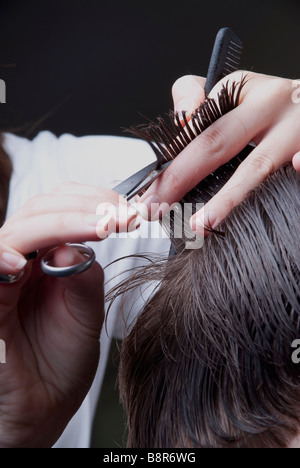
(225, 58)
(168, 137)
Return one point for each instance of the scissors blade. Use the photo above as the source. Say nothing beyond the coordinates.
(141, 180)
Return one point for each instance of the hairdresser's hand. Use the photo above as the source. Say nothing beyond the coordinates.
(268, 114)
(296, 161)
(51, 326)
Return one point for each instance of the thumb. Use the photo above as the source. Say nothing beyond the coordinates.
(296, 161)
(11, 261)
(188, 93)
(84, 293)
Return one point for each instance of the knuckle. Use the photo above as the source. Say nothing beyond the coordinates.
(31, 205)
(211, 140)
(171, 179)
(62, 223)
(238, 122)
(280, 85)
(228, 203)
(86, 202)
(262, 164)
(279, 88)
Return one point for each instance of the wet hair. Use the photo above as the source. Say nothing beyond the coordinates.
(208, 362)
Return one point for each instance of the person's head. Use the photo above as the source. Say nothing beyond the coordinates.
(208, 362)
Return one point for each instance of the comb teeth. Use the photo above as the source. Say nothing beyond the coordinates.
(236, 45)
(233, 58)
(168, 137)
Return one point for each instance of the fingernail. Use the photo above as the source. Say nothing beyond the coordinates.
(14, 261)
(207, 220)
(149, 206)
(183, 106)
(296, 161)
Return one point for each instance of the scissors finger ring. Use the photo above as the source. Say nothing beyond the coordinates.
(135, 184)
(64, 272)
(59, 272)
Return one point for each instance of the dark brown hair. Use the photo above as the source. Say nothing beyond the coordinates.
(208, 361)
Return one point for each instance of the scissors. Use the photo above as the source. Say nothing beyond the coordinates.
(129, 188)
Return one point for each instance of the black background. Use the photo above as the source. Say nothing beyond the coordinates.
(88, 67)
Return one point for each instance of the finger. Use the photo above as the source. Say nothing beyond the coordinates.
(265, 159)
(69, 197)
(45, 230)
(188, 93)
(226, 137)
(219, 143)
(296, 161)
(84, 295)
(11, 261)
(59, 203)
(73, 188)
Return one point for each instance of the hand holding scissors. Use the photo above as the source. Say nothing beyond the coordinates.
(43, 222)
(50, 326)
